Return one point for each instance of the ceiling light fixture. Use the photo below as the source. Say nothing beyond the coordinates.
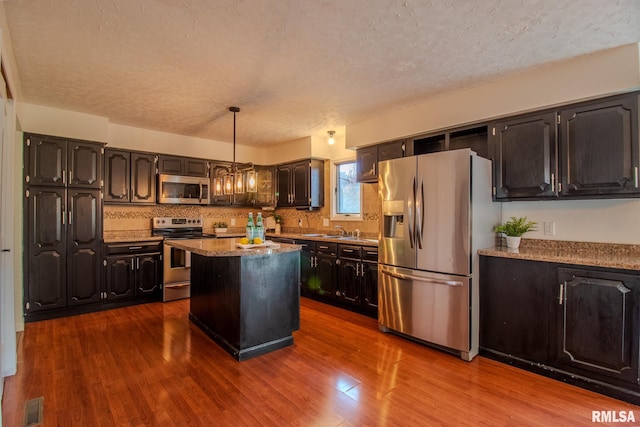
(235, 182)
(331, 140)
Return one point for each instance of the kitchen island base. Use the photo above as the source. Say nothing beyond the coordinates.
(249, 305)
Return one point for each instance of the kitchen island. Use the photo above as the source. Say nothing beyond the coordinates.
(247, 300)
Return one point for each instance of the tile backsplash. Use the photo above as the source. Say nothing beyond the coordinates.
(131, 217)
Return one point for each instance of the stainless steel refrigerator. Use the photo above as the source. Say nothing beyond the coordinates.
(437, 211)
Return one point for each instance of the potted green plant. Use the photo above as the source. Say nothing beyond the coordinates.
(514, 229)
(220, 227)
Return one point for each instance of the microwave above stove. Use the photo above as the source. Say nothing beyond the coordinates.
(185, 190)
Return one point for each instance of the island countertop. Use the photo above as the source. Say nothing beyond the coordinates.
(228, 248)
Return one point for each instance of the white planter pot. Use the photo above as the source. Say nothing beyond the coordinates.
(513, 242)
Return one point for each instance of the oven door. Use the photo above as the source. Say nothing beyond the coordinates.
(177, 273)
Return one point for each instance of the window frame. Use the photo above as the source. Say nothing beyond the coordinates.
(335, 216)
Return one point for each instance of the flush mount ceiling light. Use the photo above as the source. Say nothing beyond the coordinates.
(235, 182)
(331, 140)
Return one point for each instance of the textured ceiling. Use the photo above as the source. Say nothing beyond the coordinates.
(294, 67)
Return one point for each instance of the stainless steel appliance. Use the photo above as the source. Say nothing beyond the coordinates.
(178, 189)
(176, 267)
(437, 212)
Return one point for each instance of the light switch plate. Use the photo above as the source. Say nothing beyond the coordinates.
(325, 222)
(233, 221)
(550, 228)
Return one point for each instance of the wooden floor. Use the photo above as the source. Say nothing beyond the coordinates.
(148, 365)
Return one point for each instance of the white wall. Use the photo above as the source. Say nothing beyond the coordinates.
(64, 123)
(133, 138)
(606, 221)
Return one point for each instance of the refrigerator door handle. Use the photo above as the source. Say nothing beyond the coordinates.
(420, 215)
(421, 279)
(411, 213)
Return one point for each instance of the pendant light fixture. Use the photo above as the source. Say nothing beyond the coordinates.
(235, 181)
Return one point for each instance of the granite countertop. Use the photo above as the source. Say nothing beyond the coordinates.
(321, 237)
(228, 248)
(130, 236)
(611, 255)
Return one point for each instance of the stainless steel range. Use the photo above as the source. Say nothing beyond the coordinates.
(177, 262)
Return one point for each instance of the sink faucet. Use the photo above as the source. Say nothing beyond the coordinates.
(343, 232)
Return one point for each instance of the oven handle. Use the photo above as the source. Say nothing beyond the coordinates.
(187, 259)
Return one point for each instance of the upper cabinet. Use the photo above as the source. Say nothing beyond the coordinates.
(60, 162)
(130, 177)
(585, 150)
(300, 184)
(599, 143)
(174, 165)
(265, 194)
(525, 162)
(367, 159)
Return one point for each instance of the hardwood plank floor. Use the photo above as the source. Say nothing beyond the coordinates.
(148, 365)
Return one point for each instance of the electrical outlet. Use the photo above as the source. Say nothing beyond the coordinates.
(325, 222)
(550, 228)
(233, 222)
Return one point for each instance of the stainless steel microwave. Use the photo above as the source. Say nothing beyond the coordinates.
(179, 189)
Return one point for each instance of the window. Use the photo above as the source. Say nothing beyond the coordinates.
(347, 200)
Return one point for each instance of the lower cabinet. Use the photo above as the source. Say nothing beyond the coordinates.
(318, 269)
(575, 323)
(339, 274)
(358, 278)
(133, 269)
(599, 324)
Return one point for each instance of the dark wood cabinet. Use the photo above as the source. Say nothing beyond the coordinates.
(599, 329)
(60, 162)
(358, 277)
(367, 164)
(575, 323)
(586, 150)
(63, 224)
(46, 249)
(120, 277)
(130, 177)
(300, 184)
(133, 270)
(265, 194)
(176, 165)
(525, 156)
(600, 147)
(318, 269)
(367, 159)
(84, 233)
(516, 308)
(283, 193)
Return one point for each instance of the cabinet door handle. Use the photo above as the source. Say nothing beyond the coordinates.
(635, 176)
(133, 265)
(553, 182)
(374, 167)
(70, 216)
(70, 176)
(63, 215)
(357, 270)
(561, 297)
(64, 177)
(137, 263)
(133, 248)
